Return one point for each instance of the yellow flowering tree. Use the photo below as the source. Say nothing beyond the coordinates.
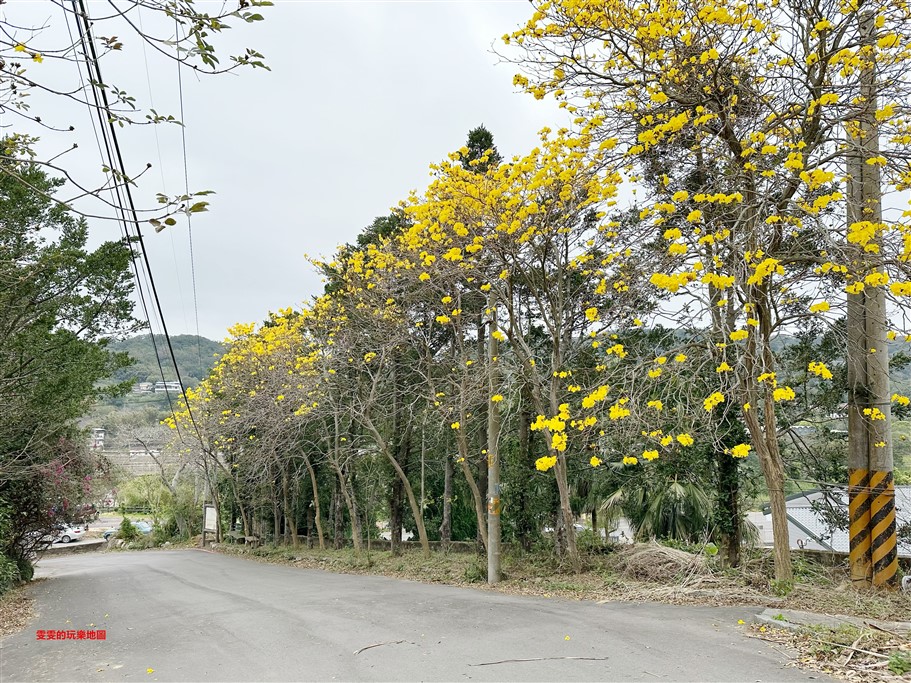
(735, 112)
(249, 415)
(526, 236)
(363, 340)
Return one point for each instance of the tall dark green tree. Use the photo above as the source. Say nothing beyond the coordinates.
(480, 145)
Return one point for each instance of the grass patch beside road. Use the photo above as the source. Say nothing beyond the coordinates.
(641, 573)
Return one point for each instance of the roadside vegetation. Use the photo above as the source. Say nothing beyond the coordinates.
(847, 652)
(16, 610)
(60, 303)
(65, 304)
(641, 573)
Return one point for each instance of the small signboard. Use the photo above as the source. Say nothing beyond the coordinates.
(211, 523)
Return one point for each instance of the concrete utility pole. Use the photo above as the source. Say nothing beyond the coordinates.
(871, 490)
(493, 455)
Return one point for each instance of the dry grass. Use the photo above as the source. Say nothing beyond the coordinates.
(843, 598)
(655, 563)
(16, 610)
(640, 573)
(849, 653)
(448, 568)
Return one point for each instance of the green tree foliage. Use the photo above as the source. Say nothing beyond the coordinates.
(482, 152)
(59, 305)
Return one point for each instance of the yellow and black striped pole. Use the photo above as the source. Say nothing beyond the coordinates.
(859, 529)
(871, 491)
(883, 542)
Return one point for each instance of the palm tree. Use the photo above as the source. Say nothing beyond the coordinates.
(662, 508)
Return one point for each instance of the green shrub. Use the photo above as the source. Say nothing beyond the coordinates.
(588, 541)
(26, 570)
(161, 535)
(128, 532)
(475, 573)
(9, 573)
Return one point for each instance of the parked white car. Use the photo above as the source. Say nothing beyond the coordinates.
(67, 532)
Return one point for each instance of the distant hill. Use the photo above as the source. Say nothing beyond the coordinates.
(195, 358)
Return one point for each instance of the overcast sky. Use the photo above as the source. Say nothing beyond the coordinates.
(361, 98)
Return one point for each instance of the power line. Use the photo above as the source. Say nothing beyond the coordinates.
(186, 180)
(108, 159)
(126, 205)
(145, 59)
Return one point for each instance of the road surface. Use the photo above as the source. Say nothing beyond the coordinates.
(188, 615)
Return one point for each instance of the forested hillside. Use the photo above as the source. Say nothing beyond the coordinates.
(195, 357)
(123, 415)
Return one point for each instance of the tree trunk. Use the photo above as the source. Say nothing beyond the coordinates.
(316, 509)
(559, 529)
(397, 491)
(473, 486)
(409, 491)
(560, 472)
(526, 462)
(344, 481)
(337, 521)
(396, 503)
(766, 443)
(493, 452)
(310, 526)
(726, 512)
(351, 504)
(216, 501)
(244, 519)
(415, 508)
(572, 551)
(290, 522)
(758, 359)
(774, 474)
(182, 525)
(276, 522)
(727, 509)
(446, 525)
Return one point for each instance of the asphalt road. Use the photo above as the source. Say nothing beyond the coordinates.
(190, 615)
